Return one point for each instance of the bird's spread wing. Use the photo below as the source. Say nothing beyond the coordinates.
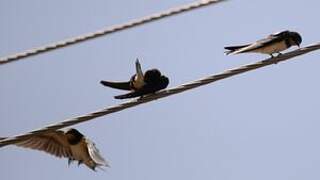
(117, 85)
(54, 143)
(95, 154)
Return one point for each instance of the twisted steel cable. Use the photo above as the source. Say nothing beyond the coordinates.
(108, 30)
(162, 94)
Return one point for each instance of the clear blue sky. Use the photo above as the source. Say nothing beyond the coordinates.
(259, 125)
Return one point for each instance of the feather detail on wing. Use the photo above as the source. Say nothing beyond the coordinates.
(54, 143)
(117, 85)
(95, 154)
(259, 44)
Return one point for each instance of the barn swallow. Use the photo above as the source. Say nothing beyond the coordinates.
(140, 84)
(70, 144)
(274, 43)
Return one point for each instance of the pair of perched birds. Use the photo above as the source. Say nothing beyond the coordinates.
(73, 145)
(151, 81)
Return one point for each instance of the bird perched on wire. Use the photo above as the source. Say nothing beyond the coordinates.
(70, 144)
(140, 84)
(274, 43)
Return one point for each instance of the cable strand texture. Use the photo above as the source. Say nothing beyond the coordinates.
(108, 30)
(162, 94)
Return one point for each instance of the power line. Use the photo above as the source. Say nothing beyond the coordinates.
(162, 94)
(108, 30)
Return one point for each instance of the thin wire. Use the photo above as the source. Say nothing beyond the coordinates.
(108, 30)
(162, 94)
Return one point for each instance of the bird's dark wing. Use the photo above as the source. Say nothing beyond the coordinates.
(54, 143)
(147, 89)
(281, 33)
(273, 38)
(132, 94)
(269, 40)
(117, 85)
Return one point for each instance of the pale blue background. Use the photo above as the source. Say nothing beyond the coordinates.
(261, 125)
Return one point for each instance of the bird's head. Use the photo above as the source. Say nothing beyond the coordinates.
(73, 136)
(295, 39)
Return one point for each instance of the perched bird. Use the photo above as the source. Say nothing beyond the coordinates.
(70, 144)
(274, 43)
(140, 84)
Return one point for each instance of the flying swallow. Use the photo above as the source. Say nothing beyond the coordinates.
(274, 43)
(70, 144)
(140, 84)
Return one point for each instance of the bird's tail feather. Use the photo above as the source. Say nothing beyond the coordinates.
(95, 155)
(117, 85)
(232, 49)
